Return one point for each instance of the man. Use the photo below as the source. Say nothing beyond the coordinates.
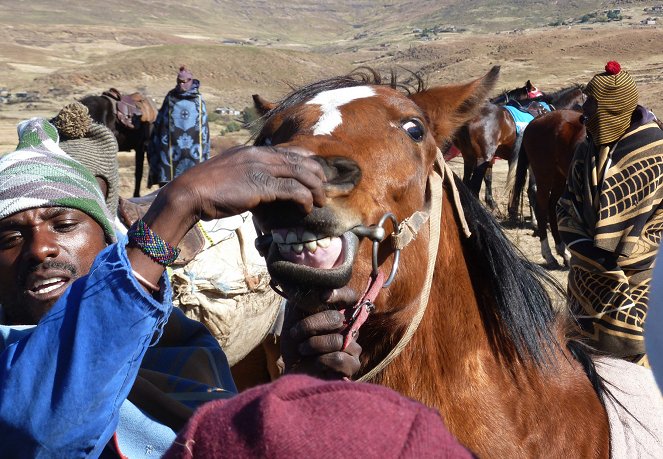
(180, 135)
(85, 380)
(611, 216)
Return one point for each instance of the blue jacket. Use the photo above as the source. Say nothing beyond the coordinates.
(64, 383)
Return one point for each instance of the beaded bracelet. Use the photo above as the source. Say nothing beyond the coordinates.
(140, 235)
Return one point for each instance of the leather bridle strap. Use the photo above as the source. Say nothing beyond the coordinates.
(435, 181)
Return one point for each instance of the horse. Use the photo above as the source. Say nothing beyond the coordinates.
(471, 173)
(462, 323)
(103, 110)
(546, 150)
(493, 134)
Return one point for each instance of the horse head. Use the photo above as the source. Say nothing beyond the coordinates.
(487, 337)
(377, 144)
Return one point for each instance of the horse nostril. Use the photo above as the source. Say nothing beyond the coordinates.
(343, 174)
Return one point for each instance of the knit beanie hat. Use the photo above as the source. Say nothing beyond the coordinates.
(617, 97)
(184, 74)
(298, 416)
(40, 174)
(91, 144)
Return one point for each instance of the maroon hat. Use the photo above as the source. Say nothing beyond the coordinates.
(299, 417)
(184, 74)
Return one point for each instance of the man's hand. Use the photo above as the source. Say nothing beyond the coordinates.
(228, 184)
(241, 178)
(313, 345)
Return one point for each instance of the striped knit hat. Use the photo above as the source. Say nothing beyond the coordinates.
(617, 97)
(91, 144)
(40, 174)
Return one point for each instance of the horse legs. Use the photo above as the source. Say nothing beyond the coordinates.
(541, 211)
(468, 169)
(488, 182)
(560, 247)
(140, 159)
(476, 179)
(531, 196)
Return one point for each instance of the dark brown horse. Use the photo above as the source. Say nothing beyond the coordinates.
(468, 324)
(103, 110)
(547, 149)
(493, 134)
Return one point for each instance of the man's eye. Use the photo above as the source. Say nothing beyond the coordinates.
(9, 239)
(65, 225)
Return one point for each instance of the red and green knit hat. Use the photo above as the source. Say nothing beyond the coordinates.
(40, 174)
(617, 97)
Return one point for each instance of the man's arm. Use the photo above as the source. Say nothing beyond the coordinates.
(61, 385)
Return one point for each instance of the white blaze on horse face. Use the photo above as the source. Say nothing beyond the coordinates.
(331, 101)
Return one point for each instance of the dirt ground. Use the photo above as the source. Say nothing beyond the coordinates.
(62, 65)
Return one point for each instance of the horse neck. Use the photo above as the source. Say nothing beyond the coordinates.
(451, 325)
(450, 363)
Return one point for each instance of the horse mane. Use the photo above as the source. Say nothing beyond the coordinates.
(508, 94)
(515, 304)
(554, 97)
(360, 76)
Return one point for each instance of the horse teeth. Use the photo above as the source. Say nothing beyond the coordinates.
(276, 237)
(311, 246)
(291, 237)
(325, 242)
(298, 248)
(308, 236)
(284, 249)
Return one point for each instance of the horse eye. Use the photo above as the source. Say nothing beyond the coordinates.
(414, 129)
(267, 142)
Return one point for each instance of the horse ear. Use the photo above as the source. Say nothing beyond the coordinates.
(448, 107)
(529, 85)
(262, 105)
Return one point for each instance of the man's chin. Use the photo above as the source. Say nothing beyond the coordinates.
(29, 311)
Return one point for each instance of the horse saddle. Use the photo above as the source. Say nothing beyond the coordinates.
(130, 210)
(523, 114)
(130, 107)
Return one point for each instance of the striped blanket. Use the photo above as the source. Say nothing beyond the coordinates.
(611, 218)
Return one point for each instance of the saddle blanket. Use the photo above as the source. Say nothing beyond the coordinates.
(636, 426)
(522, 117)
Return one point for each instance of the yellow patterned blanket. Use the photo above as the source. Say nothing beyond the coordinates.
(611, 218)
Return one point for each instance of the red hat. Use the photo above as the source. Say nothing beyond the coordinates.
(299, 417)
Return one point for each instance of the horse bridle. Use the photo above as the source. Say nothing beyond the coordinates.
(404, 233)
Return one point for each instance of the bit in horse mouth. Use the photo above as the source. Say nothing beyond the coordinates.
(303, 270)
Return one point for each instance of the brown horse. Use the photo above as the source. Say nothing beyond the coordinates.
(493, 134)
(103, 110)
(467, 323)
(547, 149)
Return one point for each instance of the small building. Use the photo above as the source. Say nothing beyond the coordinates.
(227, 111)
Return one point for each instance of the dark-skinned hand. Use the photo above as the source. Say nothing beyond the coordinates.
(241, 178)
(313, 345)
(228, 184)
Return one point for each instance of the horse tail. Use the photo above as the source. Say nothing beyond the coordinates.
(518, 181)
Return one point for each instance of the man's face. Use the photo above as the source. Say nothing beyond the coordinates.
(184, 84)
(42, 251)
(590, 107)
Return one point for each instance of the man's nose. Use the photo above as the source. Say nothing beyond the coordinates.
(41, 245)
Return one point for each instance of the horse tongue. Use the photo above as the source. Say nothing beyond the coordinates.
(326, 258)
